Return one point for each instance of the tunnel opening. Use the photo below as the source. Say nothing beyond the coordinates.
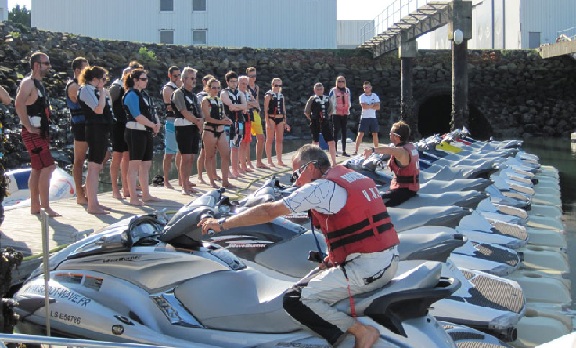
(434, 115)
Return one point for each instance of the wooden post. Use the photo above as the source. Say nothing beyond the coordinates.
(459, 32)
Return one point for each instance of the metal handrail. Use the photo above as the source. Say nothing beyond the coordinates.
(391, 15)
(67, 342)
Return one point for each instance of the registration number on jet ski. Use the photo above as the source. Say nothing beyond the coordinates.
(66, 317)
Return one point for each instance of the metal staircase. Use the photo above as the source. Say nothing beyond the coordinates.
(413, 17)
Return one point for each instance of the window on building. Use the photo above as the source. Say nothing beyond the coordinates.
(167, 36)
(533, 39)
(199, 37)
(199, 5)
(166, 5)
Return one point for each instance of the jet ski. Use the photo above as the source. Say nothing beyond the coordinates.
(473, 254)
(280, 248)
(136, 282)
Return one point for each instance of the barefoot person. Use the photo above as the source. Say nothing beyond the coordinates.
(202, 156)
(234, 107)
(213, 136)
(97, 108)
(140, 128)
(359, 235)
(77, 125)
(120, 156)
(275, 115)
(256, 125)
(188, 120)
(33, 109)
(170, 146)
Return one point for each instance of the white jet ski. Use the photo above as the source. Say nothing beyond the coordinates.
(134, 283)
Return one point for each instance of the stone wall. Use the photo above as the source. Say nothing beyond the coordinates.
(511, 93)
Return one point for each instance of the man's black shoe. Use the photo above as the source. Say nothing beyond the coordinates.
(345, 154)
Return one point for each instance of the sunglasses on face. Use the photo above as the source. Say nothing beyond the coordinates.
(277, 85)
(298, 172)
(215, 87)
(143, 78)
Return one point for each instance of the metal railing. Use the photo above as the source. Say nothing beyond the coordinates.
(390, 16)
(566, 34)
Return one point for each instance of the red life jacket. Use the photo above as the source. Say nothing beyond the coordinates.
(409, 176)
(342, 101)
(362, 225)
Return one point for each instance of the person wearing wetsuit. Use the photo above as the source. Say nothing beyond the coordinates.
(213, 135)
(188, 120)
(275, 115)
(120, 156)
(234, 107)
(404, 163)
(97, 109)
(33, 109)
(317, 111)
(77, 125)
(141, 126)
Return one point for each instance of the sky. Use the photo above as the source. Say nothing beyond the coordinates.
(347, 9)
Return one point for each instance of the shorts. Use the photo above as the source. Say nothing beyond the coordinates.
(117, 137)
(247, 133)
(256, 126)
(188, 139)
(38, 148)
(236, 134)
(170, 144)
(368, 125)
(78, 131)
(323, 126)
(98, 139)
(140, 144)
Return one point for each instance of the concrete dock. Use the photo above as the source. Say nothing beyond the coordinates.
(22, 230)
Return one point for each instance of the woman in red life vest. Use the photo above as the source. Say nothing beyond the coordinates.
(403, 162)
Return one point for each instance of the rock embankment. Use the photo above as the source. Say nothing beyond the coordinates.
(511, 93)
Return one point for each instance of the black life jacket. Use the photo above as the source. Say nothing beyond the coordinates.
(117, 104)
(171, 85)
(76, 115)
(235, 116)
(41, 107)
(191, 103)
(145, 107)
(319, 107)
(91, 117)
(276, 104)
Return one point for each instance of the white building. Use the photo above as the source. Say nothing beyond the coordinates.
(307, 24)
(512, 24)
(4, 10)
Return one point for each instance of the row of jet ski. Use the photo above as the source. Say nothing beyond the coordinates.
(147, 280)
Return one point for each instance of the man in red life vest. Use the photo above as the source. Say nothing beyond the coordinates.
(403, 162)
(360, 259)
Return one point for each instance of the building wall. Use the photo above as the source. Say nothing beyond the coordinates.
(4, 10)
(506, 24)
(348, 32)
(546, 18)
(293, 24)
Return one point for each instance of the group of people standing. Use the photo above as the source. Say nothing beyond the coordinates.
(215, 120)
